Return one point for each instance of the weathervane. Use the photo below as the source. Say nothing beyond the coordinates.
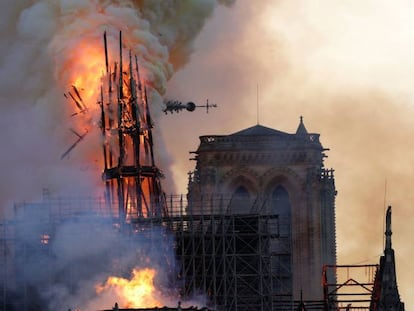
(176, 106)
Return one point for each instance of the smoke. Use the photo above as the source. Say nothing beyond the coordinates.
(65, 269)
(46, 45)
(348, 72)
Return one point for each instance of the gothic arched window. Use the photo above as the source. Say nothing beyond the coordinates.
(281, 248)
(240, 201)
(280, 201)
(280, 205)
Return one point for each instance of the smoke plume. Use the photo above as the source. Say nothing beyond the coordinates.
(81, 254)
(49, 45)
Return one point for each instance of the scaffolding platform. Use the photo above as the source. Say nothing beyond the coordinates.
(240, 261)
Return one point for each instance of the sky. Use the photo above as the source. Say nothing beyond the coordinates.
(345, 66)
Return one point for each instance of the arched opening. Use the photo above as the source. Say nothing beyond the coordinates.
(240, 201)
(280, 204)
(280, 248)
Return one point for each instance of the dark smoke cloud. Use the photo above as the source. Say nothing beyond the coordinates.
(40, 50)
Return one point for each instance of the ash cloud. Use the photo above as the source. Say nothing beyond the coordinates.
(41, 44)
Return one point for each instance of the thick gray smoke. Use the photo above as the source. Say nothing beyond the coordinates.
(47, 46)
(65, 270)
(44, 45)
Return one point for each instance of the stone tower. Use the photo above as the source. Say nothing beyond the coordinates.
(264, 171)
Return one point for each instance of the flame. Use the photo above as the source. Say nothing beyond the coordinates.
(139, 292)
(86, 69)
(82, 72)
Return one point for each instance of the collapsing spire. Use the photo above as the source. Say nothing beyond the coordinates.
(132, 180)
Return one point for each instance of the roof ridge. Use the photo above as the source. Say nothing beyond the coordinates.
(258, 130)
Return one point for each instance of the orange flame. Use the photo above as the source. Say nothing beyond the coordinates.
(139, 292)
(81, 72)
(86, 69)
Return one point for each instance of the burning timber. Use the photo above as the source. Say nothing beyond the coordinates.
(131, 177)
(132, 180)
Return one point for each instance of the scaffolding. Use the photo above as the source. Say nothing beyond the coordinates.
(354, 288)
(6, 263)
(234, 259)
(239, 261)
(227, 257)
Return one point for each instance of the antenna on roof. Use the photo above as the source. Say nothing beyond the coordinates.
(257, 103)
(383, 214)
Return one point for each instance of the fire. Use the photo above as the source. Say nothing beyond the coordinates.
(81, 72)
(139, 292)
(86, 69)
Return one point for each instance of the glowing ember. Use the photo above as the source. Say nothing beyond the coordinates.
(44, 239)
(139, 292)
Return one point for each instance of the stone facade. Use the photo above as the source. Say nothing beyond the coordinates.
(264, 171)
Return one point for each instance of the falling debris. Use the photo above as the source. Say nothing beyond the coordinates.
(80, 138)
(77, 99)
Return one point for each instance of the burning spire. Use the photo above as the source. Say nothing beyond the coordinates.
(52, 45)
(132, 180)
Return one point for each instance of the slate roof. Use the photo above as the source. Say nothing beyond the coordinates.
(259, 130)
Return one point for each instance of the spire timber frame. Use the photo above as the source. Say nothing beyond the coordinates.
(132, 180)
